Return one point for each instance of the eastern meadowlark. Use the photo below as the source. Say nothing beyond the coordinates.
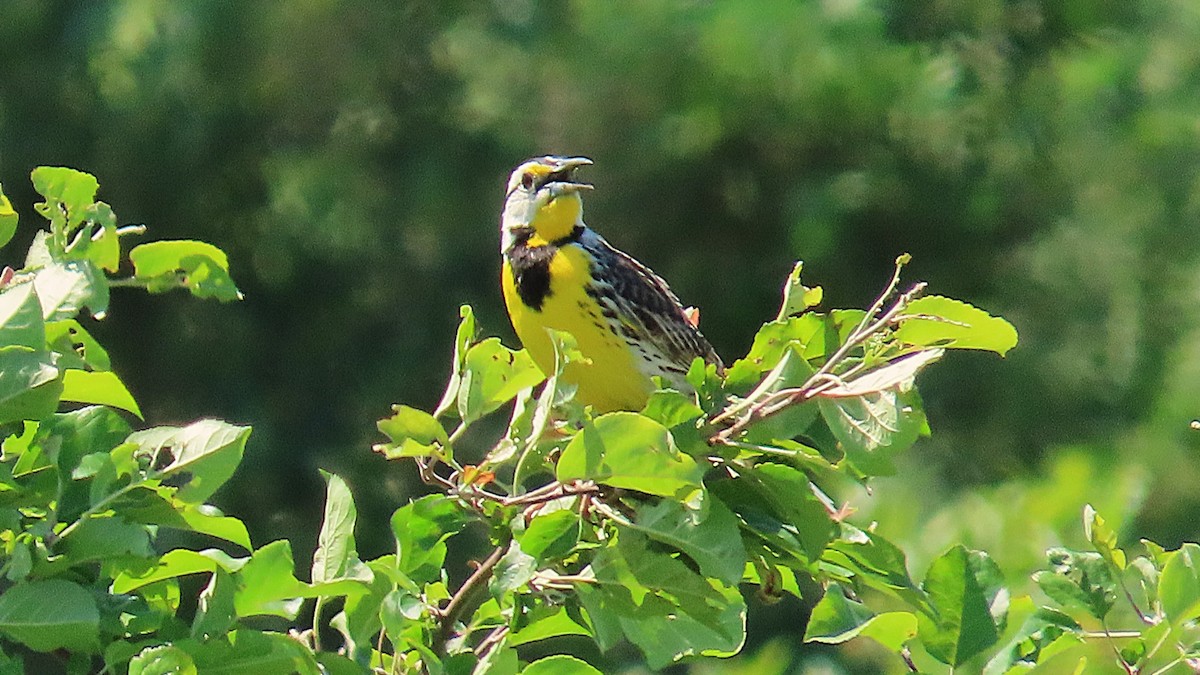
(558, 273)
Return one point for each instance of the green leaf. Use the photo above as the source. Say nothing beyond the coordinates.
(75, 346)
(936, 321)
(103, 388)
(627, 450)
(103, 538)
(29, 384)
(21, 318)
(776, 503)
(65, 287)
(413, 433)
(216, 611)
(661, 605)
(250, 652)
(201, 268)
(266, 584)
(175, 563)
(50, 614)
(837, 619)
(771, 342)
(551, 534)
(336, 552)
(671, 408)
(798, 298)
(1102, 537)
(75, 190)
(1179, 585)
(874, 427)
(162, 660)
(492, 375)
(709, 536)
(512, 572)
(876, 562)
(560, 664)
(543, 622)
(462, 341)
(970, 603)
(202, 455)
(421, 529)
(1041, 629)
(1079, 580)
(8, 219)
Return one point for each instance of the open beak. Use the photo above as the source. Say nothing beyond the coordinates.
(562, 180)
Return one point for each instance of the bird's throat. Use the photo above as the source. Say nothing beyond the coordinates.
(556, 220)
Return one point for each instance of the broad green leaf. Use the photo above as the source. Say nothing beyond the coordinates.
(29, 384)
(421, 529)
(776, 502)
(50, 614)
(1079, 580)
(671, 408)
(936, 321)
(837, 619)
(876, 562)
(251, 652)
(771, 342)
(543, 622)
(176, 563)
(1102, 537)
(103, 388)
(970, 604)
(551, 535)
(661, 605)
(103, 538)
(708, 536)
(1179, 585)
(336, 551)
(1042, 628)
(202, 455)
(359, 620)
(627, 450)
(874, 427)
(162, 660)
(413, 433)
(492, 375)
(215, 611)
(99, 241)
(8, 219)
(560, 664)
(267, 584)
(75, 346)
(159, 506)
(798, 298)
(201, 268)
(75, 190)
(65, 287)
(514, 570)
(21, 318)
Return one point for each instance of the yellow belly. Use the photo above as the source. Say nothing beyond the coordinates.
(611, 381)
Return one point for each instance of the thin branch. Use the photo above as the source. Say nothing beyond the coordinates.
(464, 597)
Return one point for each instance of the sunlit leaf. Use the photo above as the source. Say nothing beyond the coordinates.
(413, 433)
(50, 614)
(201, 456)
(970, 602)
(336, 551)
(837, 619)
(1079, 580)
(162, 660)
(21, 322)
(627, 450)
(75, 190)
(936, 321)
(65, 287)
(421, 529)
(560, 664)
(708, 536)
(8, 219)
(492, 375)
(1179, 585)
(201, 268)
(103, 388)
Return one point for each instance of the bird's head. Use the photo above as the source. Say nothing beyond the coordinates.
(543, 194)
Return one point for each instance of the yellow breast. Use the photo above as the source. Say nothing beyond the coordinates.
(611, 381)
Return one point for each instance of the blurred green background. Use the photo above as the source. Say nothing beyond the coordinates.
(1038, 158)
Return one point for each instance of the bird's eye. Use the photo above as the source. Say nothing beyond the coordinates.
(527, 181)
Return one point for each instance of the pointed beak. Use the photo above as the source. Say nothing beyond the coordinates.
(562, 180)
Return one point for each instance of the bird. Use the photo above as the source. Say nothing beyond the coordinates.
(558, 273)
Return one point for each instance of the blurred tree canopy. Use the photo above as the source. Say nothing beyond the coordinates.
(1039, 159)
